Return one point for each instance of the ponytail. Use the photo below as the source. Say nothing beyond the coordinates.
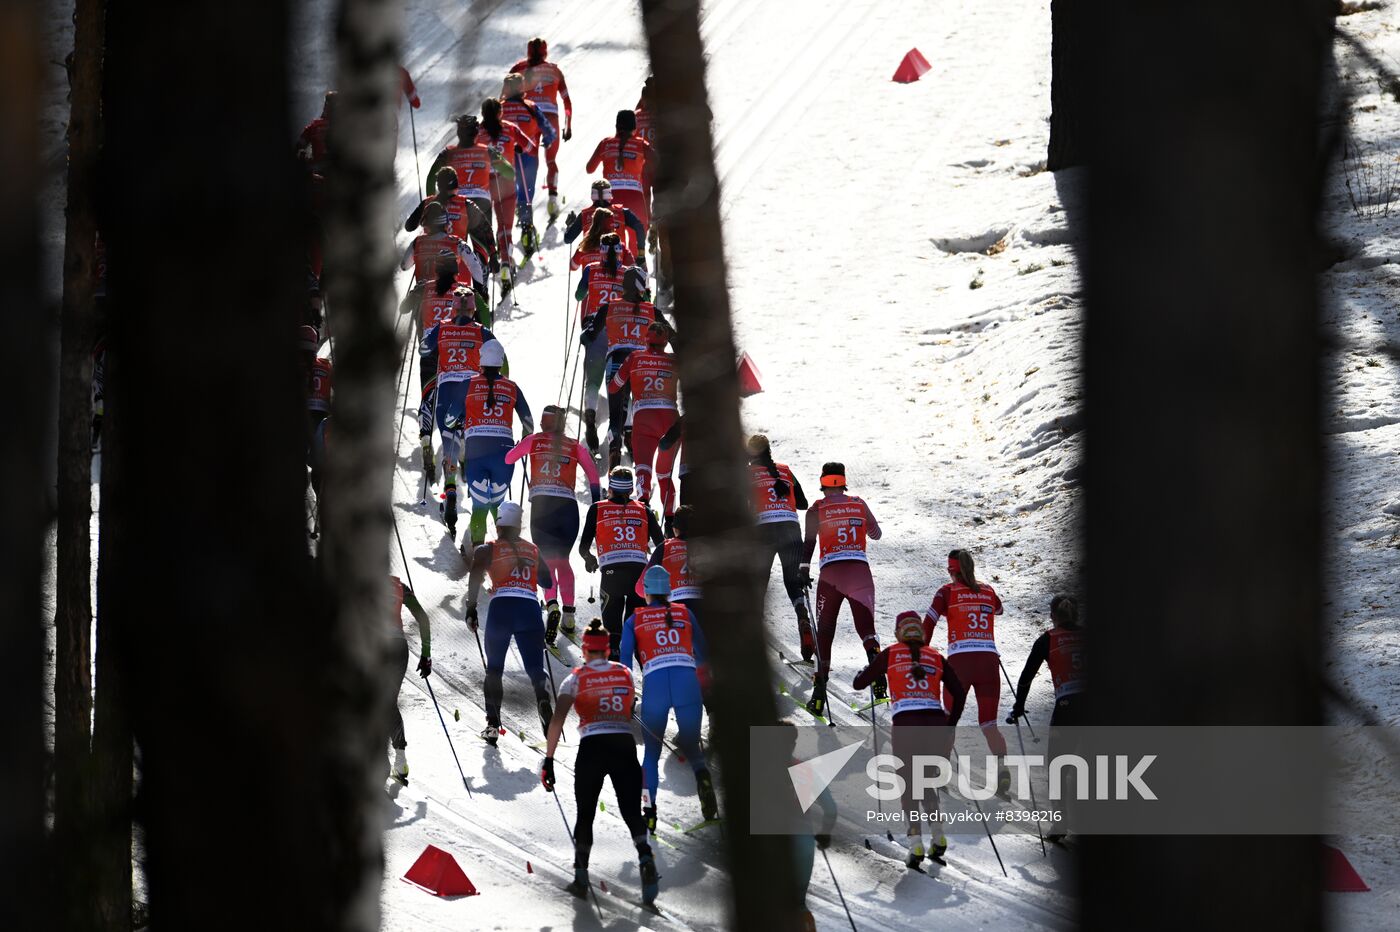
(622, 137)
(491, 117)
(918, 669)
(780, 485)
(612, 253)
(492, 374)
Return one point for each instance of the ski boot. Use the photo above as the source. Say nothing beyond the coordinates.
(551, 622)
(507, 276)
(449, 513)
(429, 464)
(552, 208)
(566, 624)
(579, 887)
(492, 732)
(817, 704)
(590, 430)
(916, 853)
(529, 241)
(546, 713)
(880, 687)
(938, 846)
(709, 805)
(400, 768)
(649, 814)
(1004, 781)
(646, 861)
(804, 632)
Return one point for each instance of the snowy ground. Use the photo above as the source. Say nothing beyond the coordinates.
(912, 301)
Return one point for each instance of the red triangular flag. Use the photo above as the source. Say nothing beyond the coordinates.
(528, 868)
(409, 89)
(749, 378)
(1338, 874)
(912, 68)
(438, 872)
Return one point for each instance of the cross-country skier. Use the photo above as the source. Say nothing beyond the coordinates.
(311, 144)
(841, 523)
(434, 244)
(625, 321)
(398, 661)
(318, 403)
(602, 692)
(590, 248)
(544, 85)
(444, 302)
(505, 139)
(805, 842)
(601, 192)
(622, 528)
(472, 161)
(516, 569)
(515, 108)
(1063, 648)
(554, 460)
(646, 112)
(777, 498)
(674, 556)
(970, 607)
(601, 282)
(918, 678)
(490, 402)
(465, 219)
(649, 377)
(457, 346)
(669, 646)
(629, 164)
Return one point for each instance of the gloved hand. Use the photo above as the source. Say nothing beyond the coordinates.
(415, 102)
(824, 840)
(471, 616)
(547, 774)
(568, 132)
(494, 265)
(425, 666)
(1017, 711)
(590, 563)
(804, 576)
(571, 219)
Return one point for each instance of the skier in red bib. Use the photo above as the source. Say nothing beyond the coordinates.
(516, 570)
(635, 233)
(629, 164)
(918, 677)
(590, 249)
(544, 87)
(777, 498)
(526, 114)
(841, 523)
(970, 607)
(311, 144)
(621, 528)
(626, 322)
(602, 693)
(472, 161)
(674, 556)
(554, 461)
(1063, 648)
(649, 377)
(601, 283)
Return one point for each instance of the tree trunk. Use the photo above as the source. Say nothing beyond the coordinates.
(73, 614)
(224, 646)
(360, 210)
(1071, 88)
(25, 899)
(1202, 373)
(724, 536)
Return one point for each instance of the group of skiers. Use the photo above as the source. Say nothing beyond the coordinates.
(652, 614)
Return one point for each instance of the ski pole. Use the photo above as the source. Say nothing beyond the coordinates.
(402, 556)
(476, 631)
(1034, 804)
(1013, 695)
(429, 683)
(952, 759)
(417, 172)
(565, 820)
(838, 890)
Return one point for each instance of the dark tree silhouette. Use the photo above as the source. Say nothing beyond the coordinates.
(1071, 90)
(724, 537)
(1203, 456)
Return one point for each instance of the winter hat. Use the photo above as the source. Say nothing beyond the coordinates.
(446, 177)
(620, 479)
(657, 581)
(493, 354)
(434, 216)
(833, 475)
(508, 515)
(909, 626)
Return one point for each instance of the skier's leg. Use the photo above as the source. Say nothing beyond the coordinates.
(613, 591)
(497, 638)
(655, 709)
(828, 608)
(626, 776)
(398, 661)
(986, 682)
(551, 151)
(528, 629)
(590, 767)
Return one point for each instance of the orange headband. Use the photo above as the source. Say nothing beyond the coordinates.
(833, 482)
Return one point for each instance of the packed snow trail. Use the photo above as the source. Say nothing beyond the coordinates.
(824, 167)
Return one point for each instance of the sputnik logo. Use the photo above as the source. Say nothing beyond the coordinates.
(811, 777)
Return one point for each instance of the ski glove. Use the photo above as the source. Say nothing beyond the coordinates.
(471, 616)
(1017, 711)
(494, 265)
(568, 133)
(823, 840)
(590, 563)
(804, 576)
(547, 774)
(425, 666)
